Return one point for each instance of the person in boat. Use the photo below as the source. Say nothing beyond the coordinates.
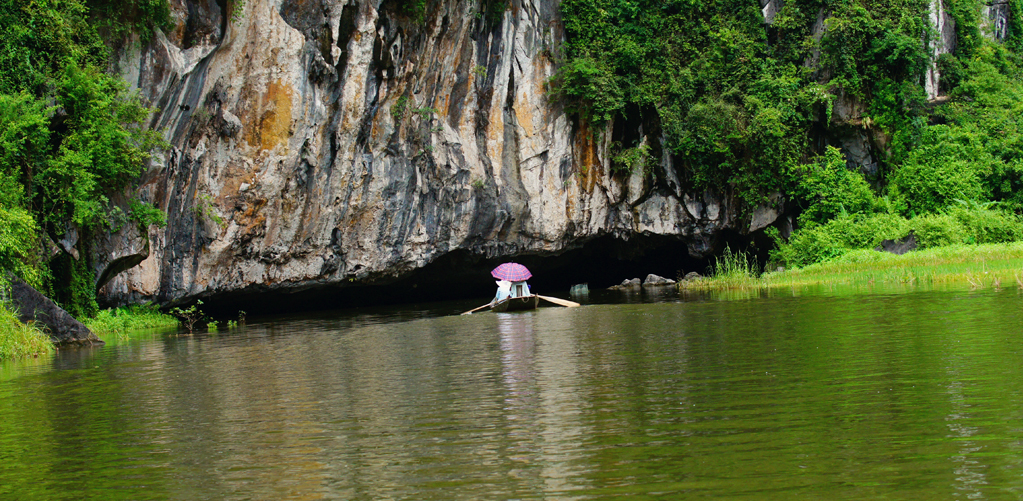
(503, 291)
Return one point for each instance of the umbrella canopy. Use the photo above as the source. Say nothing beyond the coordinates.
(512, 272)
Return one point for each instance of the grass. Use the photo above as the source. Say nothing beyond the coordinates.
(122, 321)
(18, 340)
(973, 266)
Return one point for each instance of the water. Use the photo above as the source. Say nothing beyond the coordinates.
(815, 396)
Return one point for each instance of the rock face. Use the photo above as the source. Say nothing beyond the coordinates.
(62, 327)
(943, 42)
(995, 19)
(342, 142)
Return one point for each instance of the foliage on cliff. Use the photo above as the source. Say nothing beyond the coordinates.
(70, 137)
(747, 106)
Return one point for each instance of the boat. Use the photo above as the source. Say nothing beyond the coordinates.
(517, 303)
(513, 289)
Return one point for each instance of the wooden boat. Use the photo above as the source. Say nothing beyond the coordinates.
(517, 303)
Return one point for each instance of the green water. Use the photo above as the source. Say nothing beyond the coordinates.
(823, 396)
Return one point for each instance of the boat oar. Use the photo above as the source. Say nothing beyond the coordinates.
(560, 302)
(477, 309)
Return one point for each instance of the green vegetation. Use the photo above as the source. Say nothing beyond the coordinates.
(974, 266)
(398, 109)
(122, 321)
(117, 19)
(71, 136)
(189, 316)
(205, 209)
(21, 340)
(237, 10)
(743, 108)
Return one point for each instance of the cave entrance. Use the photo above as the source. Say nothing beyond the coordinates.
(459, 275)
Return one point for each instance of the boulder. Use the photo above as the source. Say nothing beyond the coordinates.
(627, 284)
(900, 246)
(64, 329)
(691, 276)
(654, 280)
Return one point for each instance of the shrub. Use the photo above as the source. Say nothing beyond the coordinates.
(936, 230)
(948, 165)
(826, 241)
(830, 189)
(963, 223)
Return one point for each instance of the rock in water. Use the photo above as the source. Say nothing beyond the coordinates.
(692, 275)
(627, 284)
(652, 279)
(62, 327)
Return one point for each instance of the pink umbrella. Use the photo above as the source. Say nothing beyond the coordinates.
(512, 272)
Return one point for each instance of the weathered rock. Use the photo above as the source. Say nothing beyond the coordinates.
(766, 213)
(124, 247)
(229, 124)
(942, 41)
(627, 284)
(654, 280)
(899, 246)
(61, 326)
(692, 275)
(342, 143)
(770, 8)
(69, 240)
(995, 19)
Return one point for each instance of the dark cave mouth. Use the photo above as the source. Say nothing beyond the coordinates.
(459, 275)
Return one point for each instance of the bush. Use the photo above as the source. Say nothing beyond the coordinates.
(949, 164)
(937, 230)
(961, 224)
(830, 189)
(968, 223)
(823, 242)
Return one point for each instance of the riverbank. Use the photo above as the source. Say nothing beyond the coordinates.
(18, 340)
(975, 266)
(122, 321)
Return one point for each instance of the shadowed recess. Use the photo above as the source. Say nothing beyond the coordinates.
(602, 262)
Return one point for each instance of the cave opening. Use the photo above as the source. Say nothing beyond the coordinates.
(461, 275)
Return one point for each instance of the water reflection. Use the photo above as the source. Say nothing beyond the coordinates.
(808, 397)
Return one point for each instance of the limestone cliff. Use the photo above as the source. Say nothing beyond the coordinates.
(331, 142)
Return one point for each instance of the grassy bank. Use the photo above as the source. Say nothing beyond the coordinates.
(974, 266)
(122, 321)
(19, 340)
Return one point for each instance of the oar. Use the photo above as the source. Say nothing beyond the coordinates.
(488, 305)
(561, 302)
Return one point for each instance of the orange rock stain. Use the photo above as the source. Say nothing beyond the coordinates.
(273, 126)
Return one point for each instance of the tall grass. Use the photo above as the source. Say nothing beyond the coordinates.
(125, 320)
(21, 340)
(732, 270)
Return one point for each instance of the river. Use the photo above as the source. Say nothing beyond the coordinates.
(788, 395)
